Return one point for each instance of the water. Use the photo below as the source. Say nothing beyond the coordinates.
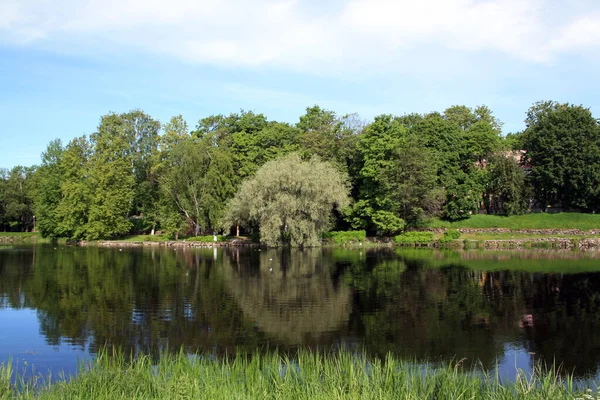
(503, 310)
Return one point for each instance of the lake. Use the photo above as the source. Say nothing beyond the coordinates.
(59, 305)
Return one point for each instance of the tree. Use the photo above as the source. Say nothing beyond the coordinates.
(48, 194)
(198, 180)
(415, 183)
(562, 144)
(142, 133)
(291, 200)
(508, 186)
(376, 148)
(16, 198)
(111, 180)
(72, 211)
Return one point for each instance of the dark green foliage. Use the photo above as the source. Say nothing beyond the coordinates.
(414, 238)
(342, 237)
(17, 192)
(452, 234)
(508, 188)
(561, 143)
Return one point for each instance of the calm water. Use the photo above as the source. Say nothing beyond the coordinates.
(58, 306)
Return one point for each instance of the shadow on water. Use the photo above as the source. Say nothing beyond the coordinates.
(499, 308)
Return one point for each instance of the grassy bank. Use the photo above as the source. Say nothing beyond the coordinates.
(528, 221)
(309, 376)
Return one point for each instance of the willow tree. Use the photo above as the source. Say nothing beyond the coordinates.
(291, 200)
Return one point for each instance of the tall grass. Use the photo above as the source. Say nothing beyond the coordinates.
(309, 375)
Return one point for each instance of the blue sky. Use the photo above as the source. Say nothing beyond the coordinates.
(65, 63)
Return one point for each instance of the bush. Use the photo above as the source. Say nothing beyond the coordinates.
(206, 238)
(449, 236)
(414, 238)
(341, 237)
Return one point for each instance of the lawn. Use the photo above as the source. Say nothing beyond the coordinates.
(528, 221)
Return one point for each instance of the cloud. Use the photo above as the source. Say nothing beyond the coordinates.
(303, 35)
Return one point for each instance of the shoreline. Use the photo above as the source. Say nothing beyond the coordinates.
(491, 239)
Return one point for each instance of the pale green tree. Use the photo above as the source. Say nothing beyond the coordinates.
(291, 200)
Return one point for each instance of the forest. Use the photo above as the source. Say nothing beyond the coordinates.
(138, 175)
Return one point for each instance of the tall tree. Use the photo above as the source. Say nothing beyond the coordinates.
(17, 193)
(562, 143)
(48, 194)
(142, 133)
(72, 211)
(111, 180)
(509, 189)
(198, 179)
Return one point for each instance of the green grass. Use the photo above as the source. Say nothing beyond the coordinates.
(528, 221)
(20, 234)
(309, 375)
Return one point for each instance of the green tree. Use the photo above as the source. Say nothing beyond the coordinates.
(111, 180)
(198, 180)
(376, 151)
(561, 143)
(142, 133)
(72, 210)
(48, 194)
(509, 190)
(291, 200)
(16, 198)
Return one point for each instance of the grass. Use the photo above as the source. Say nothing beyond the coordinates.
(309, 375)
(528, 221)
(20, 234)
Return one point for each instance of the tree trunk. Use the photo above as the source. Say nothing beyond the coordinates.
(153, 228)
(237, 230)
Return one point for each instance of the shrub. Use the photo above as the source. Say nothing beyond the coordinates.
(449, 235)
(414, 238)
(341, 237)
(206, 238)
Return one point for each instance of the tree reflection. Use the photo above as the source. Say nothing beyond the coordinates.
(291, 296)
(415, 304)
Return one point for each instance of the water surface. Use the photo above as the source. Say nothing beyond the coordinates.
(505, 310)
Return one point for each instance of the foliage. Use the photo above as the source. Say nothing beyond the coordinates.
(197, 181)
(508, 187)
(206, 238)
(452, 234)
(342, 237)
(561, 142)
(48, 195)
(17, 192)
(111, 180)
(414, 238)
(290, 200)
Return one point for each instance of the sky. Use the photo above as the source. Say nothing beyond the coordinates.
(64, 64)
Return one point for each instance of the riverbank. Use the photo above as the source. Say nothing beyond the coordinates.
(309, 375)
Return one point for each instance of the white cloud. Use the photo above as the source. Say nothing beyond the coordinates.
(350, 35)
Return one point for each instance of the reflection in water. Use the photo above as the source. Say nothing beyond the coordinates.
(484, 306)
(289, 296)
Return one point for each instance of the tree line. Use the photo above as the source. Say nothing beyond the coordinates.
(136, 175)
